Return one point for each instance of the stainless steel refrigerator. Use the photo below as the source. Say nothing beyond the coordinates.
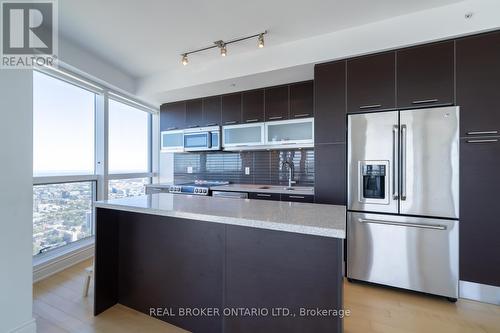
(403, 199)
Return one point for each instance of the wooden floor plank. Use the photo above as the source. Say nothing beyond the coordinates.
(59, 307)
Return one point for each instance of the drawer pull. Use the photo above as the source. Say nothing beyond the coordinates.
(251, 120)
(482, 132)
(482, 141)
(296, 197)
(194, 126)
(400, 224)
(370, 106)
(171, 128)
(230, 122)
(276, 118)
(300, 115)
(263, 195)
(424, 101)
(212, 124)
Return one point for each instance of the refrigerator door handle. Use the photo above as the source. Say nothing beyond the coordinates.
(395, 135)
(401, 224)
(403, 162)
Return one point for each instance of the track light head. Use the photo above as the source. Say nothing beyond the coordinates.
(261, 40)
(184, 59)
(223, 50)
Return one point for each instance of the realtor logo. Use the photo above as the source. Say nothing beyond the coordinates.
(29, 33)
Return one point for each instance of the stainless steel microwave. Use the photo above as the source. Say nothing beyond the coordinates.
(202, 139)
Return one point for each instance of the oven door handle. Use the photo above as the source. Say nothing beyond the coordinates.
(401, 224)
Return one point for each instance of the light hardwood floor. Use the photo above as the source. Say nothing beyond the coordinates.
(60, 307)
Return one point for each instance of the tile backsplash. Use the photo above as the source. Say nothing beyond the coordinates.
(265, 167)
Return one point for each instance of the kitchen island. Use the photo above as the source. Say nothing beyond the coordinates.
(210, 264)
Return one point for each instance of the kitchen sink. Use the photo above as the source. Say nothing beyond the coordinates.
(264, 187)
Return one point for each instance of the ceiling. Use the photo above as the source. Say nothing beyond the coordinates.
(143, 38)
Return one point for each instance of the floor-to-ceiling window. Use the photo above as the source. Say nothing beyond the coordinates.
(88, 144)
(129, 150)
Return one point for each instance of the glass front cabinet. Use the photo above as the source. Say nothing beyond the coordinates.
(172, 141)
(241, 136)
(297, 131)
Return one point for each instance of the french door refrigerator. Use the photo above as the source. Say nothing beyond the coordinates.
(403, 199)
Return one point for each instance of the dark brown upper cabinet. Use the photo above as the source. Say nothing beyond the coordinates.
(231, 109)
(173, 116)
(479, 211)
(330, 103)
(252, 106)
(301, 99)
(478, 84)
(330, 174)
(277, 103)
(371, 83)
(212, 111)
(194, 113)
(425, 75)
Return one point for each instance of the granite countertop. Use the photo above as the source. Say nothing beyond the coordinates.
(302, 218)
(302, 190)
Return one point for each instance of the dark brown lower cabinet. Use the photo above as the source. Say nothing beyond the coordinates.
(264, 196)
(480, 211)
(168, 265)
(330, 174)
(281, 270)
(297, 198)
(162, 262)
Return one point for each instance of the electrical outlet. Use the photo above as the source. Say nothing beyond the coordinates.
(247, 170)
(190, 169)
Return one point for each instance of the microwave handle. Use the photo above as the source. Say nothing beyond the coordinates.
(209, 139)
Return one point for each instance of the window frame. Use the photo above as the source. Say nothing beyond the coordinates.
(101, 176)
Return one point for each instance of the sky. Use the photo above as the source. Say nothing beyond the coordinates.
(63, 131)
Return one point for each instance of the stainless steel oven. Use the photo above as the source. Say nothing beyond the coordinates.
(202, 139)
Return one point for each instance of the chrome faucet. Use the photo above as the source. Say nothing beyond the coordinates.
(290, 166)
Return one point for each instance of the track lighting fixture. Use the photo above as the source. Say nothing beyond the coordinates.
(185, 59)
(222, 45)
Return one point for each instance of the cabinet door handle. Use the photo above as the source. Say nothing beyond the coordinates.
(230, 122)
(402, 224)
(370, 106)
(251, 120)
(171, 128)
(300, 115)
(424, 101)
(296, 197)
(481, 132)
(482, 141)
(212, 124)
(263, 195)
(275, 118)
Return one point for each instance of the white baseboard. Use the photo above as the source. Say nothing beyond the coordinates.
(480, 292)
(27, 327)
(54, 264)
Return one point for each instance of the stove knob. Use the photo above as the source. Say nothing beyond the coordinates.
(196, 190)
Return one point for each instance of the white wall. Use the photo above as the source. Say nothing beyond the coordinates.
(16, 196)
(274, 62)
(83, 62)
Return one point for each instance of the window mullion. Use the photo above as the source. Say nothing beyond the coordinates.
(101, 166)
